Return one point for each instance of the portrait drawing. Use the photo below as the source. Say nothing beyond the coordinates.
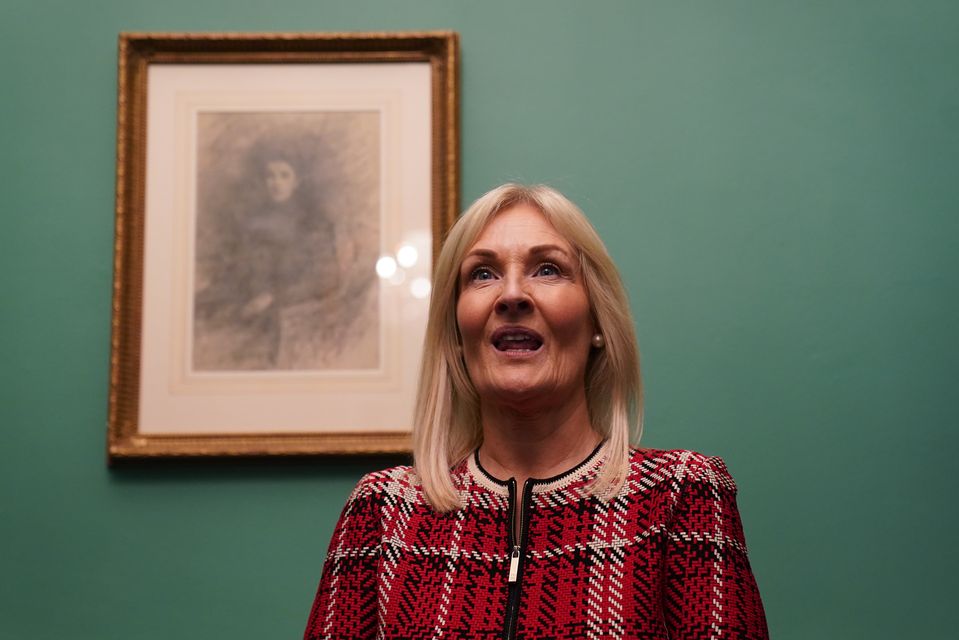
(286, 239)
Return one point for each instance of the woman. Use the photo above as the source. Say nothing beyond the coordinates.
(277, 271)
(527, 513)
(290, 271)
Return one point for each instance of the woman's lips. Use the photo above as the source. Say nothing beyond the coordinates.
(516, 339)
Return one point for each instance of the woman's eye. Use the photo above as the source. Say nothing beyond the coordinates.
(481, 273)
(547, 269)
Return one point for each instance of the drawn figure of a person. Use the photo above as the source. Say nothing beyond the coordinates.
(277, 287)
(289, 267)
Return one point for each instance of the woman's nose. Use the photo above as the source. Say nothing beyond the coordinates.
(514, 298)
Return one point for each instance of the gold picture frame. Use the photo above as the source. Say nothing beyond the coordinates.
(218, 347)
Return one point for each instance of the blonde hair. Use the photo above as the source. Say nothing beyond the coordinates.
(446, 427)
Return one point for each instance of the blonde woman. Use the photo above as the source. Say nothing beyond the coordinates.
(528, 513)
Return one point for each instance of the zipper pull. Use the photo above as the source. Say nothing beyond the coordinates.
(514, 564)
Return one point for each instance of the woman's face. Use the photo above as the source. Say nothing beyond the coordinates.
(281, 180)
(523, 313)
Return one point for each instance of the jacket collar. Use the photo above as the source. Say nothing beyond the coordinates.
(585, 470)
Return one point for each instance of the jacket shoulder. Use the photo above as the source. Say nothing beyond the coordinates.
(399, 482)
(683, 465)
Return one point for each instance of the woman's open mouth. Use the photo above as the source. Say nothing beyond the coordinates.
(516, 339)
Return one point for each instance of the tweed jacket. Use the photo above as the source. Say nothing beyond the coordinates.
(665, 558)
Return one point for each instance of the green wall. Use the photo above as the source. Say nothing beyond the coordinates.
(777, 181)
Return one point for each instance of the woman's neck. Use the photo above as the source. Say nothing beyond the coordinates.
(522, 446)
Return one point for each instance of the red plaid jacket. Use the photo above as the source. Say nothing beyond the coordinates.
(664, 559)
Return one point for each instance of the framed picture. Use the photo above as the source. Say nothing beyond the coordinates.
(280, 201)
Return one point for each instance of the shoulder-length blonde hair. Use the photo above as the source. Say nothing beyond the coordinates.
(446, 425)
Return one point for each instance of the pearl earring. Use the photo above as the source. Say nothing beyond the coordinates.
(598, 340)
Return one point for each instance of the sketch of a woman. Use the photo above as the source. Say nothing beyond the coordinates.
(290, 266)
(277, 277)
(287, 233)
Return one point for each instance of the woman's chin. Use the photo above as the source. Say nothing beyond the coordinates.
(523, 393)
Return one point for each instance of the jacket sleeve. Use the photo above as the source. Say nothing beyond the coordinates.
(709, 591)
(346, 604)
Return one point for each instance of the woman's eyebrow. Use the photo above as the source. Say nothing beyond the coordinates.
(481, 253)
(548, 248)
(540, 249)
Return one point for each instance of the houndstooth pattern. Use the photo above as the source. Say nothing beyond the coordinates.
(665, 558)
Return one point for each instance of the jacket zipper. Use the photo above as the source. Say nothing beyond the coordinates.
(517, 554)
